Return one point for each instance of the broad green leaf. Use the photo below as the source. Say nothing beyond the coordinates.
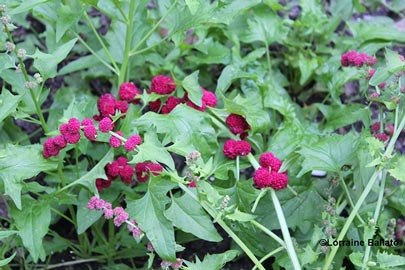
(251, 108)
(47, 63)
(115, 40)
(389, 260)
(189, 216)
(32, 223)
(5, 234)
(398, 169)
(193, 88)
(212, 52)
(26, 5)
(329, 154)
(186, 127)
(66, 18)
(149, 213)
(152, 150)
(18, 163)
(341, 115)
(6, 261)
(229, 10)
(356, 258)
(85, 217)
(89, 179)
(365, 30)
(300, 211)
(8, 103)
(307, 66)
(81, 63)
(213, 261)
(192, 5)
(6, 62)
(228, 75)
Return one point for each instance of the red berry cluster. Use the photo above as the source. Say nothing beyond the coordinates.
(70, 133)
(233, 148)
(353, 58)
(107, 106)
(382, 136)
(237, 125)
(143, 169)
(164, 85)
(268, 174)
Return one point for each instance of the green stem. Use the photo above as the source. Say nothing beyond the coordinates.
(26, 78)
(133, 50)
(349, 198)
(269, 233)
(213, 213)
(363, 195)
(281, 220)
(261, 194)
(268, 256)
(128, 39)
(101, 42)
(96, 55)
(237, 173)
(284, 231)
(376, 216)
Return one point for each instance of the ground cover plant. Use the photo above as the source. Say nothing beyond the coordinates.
(200, 134)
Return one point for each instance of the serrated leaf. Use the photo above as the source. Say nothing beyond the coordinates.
(85, 217)
(88, 180)
(152, 150)
(149, 214)
(389, 260)
(212, 52)
(8, 103)
(193, 6)
(187, 128)
(26, 5)
(47, 63)
(18, 163)
(329, 154)
(228, 75)
(213, 261)
(398, 169)
(193, 88)
(189, 216)
(32, 223)
(66, 18)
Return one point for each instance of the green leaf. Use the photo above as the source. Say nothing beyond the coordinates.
(149, 213)
(66, 18)
(341, 115)
(32, 223)
(47, 63)
(389, 260)
(228, 75)
(26, 5)
(21, 162)
(6, 261)
(230, 9)
(189, 216)
(300, 211)
(88, 180)
(186, 127)
(212, 52)
(308, 67)
(251, 109)
(5, 234)
(356, 258)
(8, 103)
(193, 88)
(85, 217)
(6, 62)
(193, 6)
(214, 261)
(398, 169)
(152, 150)
(329, 154)
(240, 216)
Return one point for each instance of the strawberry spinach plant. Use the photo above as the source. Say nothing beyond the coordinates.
(132, 131)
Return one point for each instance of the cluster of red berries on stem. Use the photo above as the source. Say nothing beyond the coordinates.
(382, 136)
(268, 174)
(238, 126)
(355, 59)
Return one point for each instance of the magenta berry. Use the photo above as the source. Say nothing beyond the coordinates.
(132, 141)
(105, 125)
(162, 85)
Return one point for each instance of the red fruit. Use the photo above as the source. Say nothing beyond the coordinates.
(381, 136)
(278, 180)
(105, 125)
(233, 148)
(126, 173)
(375, 127)
(143, 169)
(209, 98)
(170, 104)
(155, 105)
(102, 183)
(237, 123)
(261, 178)
(112, 169)
(59, 141)
(162, 85)
(114, 141)
(128, 91)
(122, 106)
(90, 132)
(106, 105)
(133, 141)
(268, 160)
